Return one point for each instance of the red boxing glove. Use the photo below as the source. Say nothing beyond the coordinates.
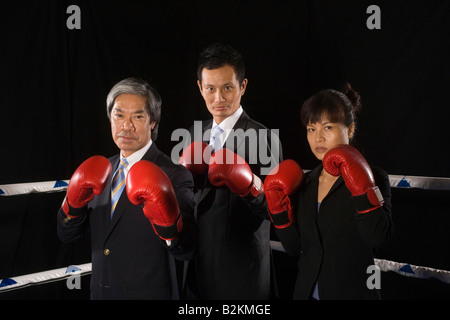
(358, 177)
(281, 182)
(88, 180)
(228, 168)
(148, 184)
(195, 158)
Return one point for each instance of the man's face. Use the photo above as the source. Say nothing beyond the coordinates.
(221, 91)
(130, 123)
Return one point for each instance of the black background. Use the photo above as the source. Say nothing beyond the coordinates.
(54, 83)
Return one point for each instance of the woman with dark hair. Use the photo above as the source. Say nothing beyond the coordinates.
(342, 209)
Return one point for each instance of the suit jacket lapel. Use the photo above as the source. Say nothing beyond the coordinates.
(206, 130)
(336, 184)
(314, 176)
(241, 123)
(206, 134)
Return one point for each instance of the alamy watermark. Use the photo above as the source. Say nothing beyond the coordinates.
(74, 280)
(74, 20)
(372, 22)
(260, 146)
(374, 280)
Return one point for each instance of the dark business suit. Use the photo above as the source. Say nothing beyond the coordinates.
(129, 261)
(336, 244)
(233, 256)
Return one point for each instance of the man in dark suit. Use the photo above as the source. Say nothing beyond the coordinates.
(133, 246)
(233, 257)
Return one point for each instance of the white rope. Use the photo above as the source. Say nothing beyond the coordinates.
(409, 270)
(428, 183)
(33, 187)
(404, 269)
(13, 283)
(396, 181)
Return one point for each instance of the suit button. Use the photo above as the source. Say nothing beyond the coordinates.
(106, 252)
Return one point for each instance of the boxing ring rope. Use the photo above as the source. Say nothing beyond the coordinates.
(404, 269)
(43, 277)
(33, 187)
(396, 181)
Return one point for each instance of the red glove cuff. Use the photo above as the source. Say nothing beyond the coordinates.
(72, 212)
(369, 201)
(168, 232)
(280, 209)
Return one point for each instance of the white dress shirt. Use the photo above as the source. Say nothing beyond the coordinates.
(227, 125)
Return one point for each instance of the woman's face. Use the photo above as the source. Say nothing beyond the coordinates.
(324, 135)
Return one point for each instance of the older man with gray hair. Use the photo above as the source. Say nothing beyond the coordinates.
(137, 205)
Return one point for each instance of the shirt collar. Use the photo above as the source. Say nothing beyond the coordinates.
(229, 122)
(137, 155)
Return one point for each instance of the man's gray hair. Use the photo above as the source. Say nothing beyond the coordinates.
(138, 87)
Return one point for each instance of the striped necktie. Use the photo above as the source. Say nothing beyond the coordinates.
(118, 184)
(215, 138)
